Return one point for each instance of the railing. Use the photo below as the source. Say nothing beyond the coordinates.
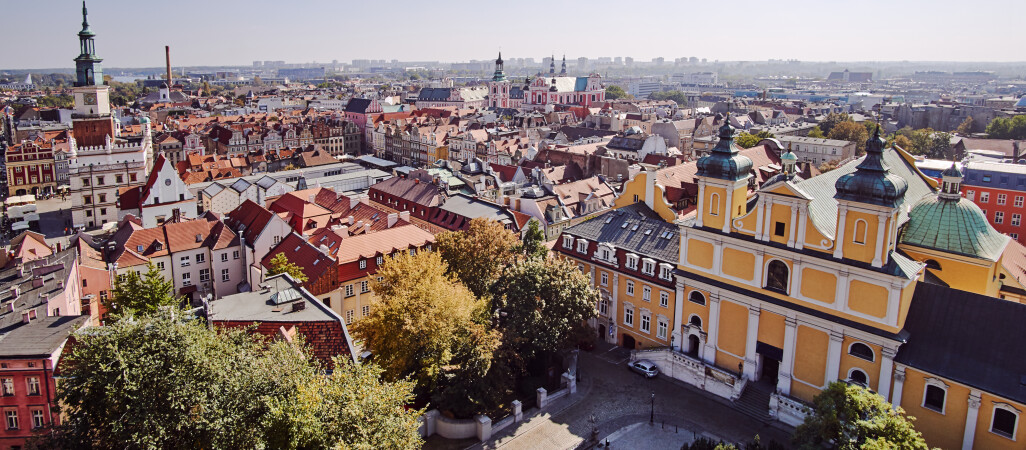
(787, 409)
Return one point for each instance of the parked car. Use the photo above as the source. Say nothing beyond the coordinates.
(644, 367)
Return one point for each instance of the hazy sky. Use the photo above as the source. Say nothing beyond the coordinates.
(42, 33)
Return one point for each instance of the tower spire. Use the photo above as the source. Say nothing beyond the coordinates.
(563, 71)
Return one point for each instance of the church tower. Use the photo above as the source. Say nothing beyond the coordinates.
(563, 72)
(869, 202)
(91, 95)
(499, 86)
(723, 177)
(552, 65)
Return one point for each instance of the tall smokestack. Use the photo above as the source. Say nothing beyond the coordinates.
(167, 55)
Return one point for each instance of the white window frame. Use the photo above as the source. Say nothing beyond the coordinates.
(380, 260)
(970, 194)
(604, 279)
(646, 293)
(204, 275)
(665, 271)
(984, 197)
(363, 264)
(854, 369)
(661, 328)
(184, 261)
(186, 279)
(568, 242)
(604, 307)
(364, 287)
(630, 288)
(1009, 408)
(1018, 201)
(201, 258)
(999, 217)
(628, 316)
(664, 299)
(632, 261)
(226, 275)
(938, 384)
(859, 357)
(648, 266)
(224, 257)
(646, 322)
(349, 290)
(1016, 219)
(1001, 199)
(582, 246)
(11, 420)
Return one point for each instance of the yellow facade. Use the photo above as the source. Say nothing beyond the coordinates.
(635, 190)
(959, 272)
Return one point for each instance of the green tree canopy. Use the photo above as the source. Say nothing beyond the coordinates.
(281, 264)
(851, 132)
(532, 243)
(851, 417)
(966, 127)
(614, 92)
(1007, 128)
(831, 120)
(478, 254)
(816, 132)
(541, 303)
(677, 96)
(159, 382)
(428, 326)
(140, 295)
(747, 140)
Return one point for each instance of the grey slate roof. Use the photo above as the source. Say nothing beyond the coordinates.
(823, 208)
(358, 105)
(649, 239)
(968, 338)
(240, 185)
(40, 337)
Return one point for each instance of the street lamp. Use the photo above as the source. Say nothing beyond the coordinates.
(651, 417)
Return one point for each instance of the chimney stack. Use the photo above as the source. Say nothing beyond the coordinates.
(392, 218)
(167, 56)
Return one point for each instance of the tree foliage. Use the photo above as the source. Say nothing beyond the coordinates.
(428, 326)
(925, 141)
(159, 382)
(1007, 128)
(614, 92)
(58, 101)
(478, 254)
(532, 243)
(851, 417)
(281, 264)
(677, 96)
(816, 132)
(966, 127)
(747, 140)
(541, 303)
(852, 132)
(831, 120)
(140, 295)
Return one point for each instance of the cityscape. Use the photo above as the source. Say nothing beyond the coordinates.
(541, 250)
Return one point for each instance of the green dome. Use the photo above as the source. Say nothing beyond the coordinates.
(872, 182)
(144, 119)
(789, 156)
(954, 226)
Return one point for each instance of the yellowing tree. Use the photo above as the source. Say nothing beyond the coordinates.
(478, 254)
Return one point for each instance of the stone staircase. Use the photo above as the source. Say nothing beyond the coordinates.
(754, 402)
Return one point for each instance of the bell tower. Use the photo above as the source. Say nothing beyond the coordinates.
(722, 177)
(91, 95)
(499, 86)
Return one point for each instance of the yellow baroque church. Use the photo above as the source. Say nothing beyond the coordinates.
(872, 273)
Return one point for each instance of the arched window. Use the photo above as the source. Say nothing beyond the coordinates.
(858, 377)
(714, 204)
(933, 397)
(695, 321)
(860, 232)
(777, 276)
(1005, 420)
(696, 297)
(860, 350)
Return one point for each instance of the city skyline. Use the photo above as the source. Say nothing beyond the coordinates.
(132, 35)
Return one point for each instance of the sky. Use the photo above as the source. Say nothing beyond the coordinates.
(42, 33)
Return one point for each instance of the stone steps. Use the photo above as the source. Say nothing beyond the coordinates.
(754, 402)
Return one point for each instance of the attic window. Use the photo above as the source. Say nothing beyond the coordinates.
(648, 232)
(624, 225)
(609, 219)
(297, 248)
(139, 248)
(634, 228)
(199, 238)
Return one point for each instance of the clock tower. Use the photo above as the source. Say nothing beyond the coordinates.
(92, 97)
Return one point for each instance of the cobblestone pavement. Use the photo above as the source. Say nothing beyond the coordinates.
(645, 435)
(611, 397)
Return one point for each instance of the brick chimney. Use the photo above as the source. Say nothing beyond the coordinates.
(392, 219)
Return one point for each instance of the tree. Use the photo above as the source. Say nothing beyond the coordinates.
(614, 92)
(428, 326)
(846, 416)
(257, 81)
(903, 142)
(831, 120)
(56, 101)
(677, 96)
(161, 382)
(541, 303)
(478, 254)
(141, 295)
(816, 132)
(852, 132)
(1007, 128)
(966, 127)
(281, 264)
(745, 140)
(532, 243)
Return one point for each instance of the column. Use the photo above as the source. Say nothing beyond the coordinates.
(728, 212)
(899, 383)
(881, 228)
(713, 327)
(613, 306)
(796, 279)
(758, 217)
(970, 419)
(784, 374)
(759, 255)
(751, 358)
(886, 368)
(841, 296)
(834, 356)
(793, 226)
(701, 201)
(765, 225)
(842, 213)
(683, 247)
(678, 317)
(717, 257)
(802, 219)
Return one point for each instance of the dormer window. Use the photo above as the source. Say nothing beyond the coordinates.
(648, 266)
(665, 271)
(568, 242)
(582, 246)
(632, 261)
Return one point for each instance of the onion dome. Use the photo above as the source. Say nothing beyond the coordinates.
(724, 161)
(872, 182)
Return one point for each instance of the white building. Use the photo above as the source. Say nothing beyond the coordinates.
(220, 198)
(163, 196)
(259, 230)
(818, 150)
